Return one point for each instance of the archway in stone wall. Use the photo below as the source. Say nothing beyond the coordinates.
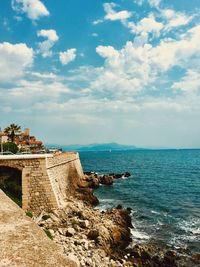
(11, 183)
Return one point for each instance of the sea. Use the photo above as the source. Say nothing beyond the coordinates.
(163, 192)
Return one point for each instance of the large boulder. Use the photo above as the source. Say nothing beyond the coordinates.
(106, 180)
(86, 195)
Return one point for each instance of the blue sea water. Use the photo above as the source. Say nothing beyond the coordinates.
(163, 191)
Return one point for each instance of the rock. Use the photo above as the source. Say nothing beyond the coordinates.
(86, 194)
(55, 218)
(89, 173)
(72, 257)
(84, 224)
(196, 257)
(127, 174)
(93, 234)
(118, 176)
(52, 232)
(170, 258)
(70, 231)
(62, 231)
(106, 180)
(92, 180)
(86, 245)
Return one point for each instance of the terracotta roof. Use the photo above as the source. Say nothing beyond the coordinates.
(35, 142)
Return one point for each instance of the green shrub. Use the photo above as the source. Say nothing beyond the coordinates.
(47, 232)
(9, 146)
(29, 214)
(46, 217)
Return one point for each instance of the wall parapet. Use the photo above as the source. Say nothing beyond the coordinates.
(31, 156)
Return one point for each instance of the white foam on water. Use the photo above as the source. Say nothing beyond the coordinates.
(191, 226)
(107, 200)
(155, 212)
(160, 223)
(191, 231)
(137, 235)
(196, 231)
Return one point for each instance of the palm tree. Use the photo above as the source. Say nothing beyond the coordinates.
(12, 130)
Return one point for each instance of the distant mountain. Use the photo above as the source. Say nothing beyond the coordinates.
(96, 147)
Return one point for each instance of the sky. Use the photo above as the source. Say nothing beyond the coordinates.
(81, 72)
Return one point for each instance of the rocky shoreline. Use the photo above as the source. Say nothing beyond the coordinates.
(95, 238)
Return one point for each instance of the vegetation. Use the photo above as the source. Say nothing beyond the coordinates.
(12, 130)
(10, 146)
(47, 232)
(29, 214)
(46, 217)
(10, 183)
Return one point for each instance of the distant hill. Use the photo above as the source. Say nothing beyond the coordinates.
(96, 147)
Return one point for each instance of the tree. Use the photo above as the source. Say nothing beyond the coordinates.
(9, 146)
(12, 130)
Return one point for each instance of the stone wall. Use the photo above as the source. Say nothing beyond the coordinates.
(37, 192)
(46, 179)
(65, 172)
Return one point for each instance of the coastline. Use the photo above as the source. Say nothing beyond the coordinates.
(91, 237)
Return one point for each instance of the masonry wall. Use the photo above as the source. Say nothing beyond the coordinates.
(65, 172)
(47, 180)
(37, 192)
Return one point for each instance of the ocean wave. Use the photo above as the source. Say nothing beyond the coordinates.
(190, 226)
(188, 232)
(137, 235)
(155, 212)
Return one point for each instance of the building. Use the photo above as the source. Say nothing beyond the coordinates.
(24, 141)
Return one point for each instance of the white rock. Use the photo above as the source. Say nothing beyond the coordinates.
(72, 257)
(70, 231)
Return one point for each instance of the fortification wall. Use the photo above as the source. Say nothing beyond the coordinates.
(37, 192)
(65, 172)
(46, 179)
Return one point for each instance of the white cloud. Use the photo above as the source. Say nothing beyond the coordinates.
(94, 34)
(98, 21)
(154, 3)
(141, 39)
(138, 64)
(107, 51)
(112, 15)
(43, 75)
(125, 71)
(14, 60)
(34, 9)
(138, 2)
(122, 15)
(147, 25)
(45, 46)
(27, 95)
(67, 56)
(174, 19)
(178, 53)
(189, 83)
(51, 35)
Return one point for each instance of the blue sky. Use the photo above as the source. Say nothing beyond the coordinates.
(100, 71)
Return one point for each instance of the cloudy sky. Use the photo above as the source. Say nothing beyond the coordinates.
(90, 71)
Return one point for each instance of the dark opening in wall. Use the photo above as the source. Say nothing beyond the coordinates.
(11, 183)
